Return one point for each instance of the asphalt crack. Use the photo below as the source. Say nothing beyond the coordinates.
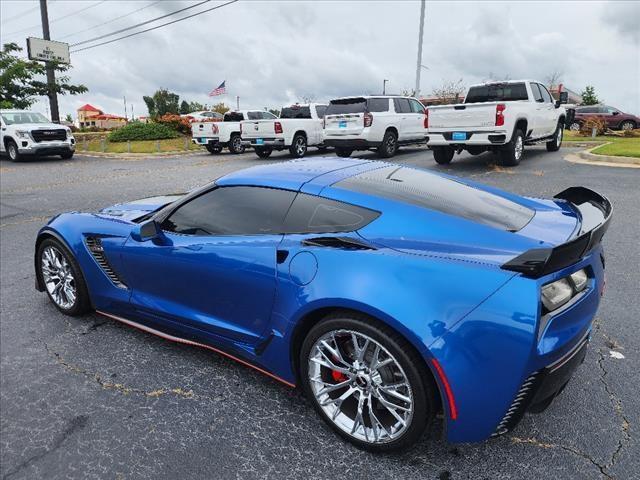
(118, 387)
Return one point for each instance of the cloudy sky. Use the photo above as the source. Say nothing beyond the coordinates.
(273, 53)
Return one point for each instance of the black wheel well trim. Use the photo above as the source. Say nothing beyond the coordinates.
(310, 319)
(393, 129)
(521, 122)
(300, 132)
(8, 139)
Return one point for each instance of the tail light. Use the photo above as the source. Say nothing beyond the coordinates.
(426, 118)
(277, 127)
(368, 119)
(500, 114)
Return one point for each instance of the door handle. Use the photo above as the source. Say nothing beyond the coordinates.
(281, 255)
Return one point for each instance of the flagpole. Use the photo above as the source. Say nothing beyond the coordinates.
(237, 102)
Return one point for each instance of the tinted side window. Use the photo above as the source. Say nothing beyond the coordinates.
(537, 95)
(311, 214)
(416, 106)
(546, 96)
(320, 109)
(402, 105)
(295, 112)
(254, 115)
(232, 211)
(378, 105)
(233, 117)
(268, 116)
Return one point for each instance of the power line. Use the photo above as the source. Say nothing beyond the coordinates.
(59, 18)
(108, 21)
(137, 25)
(156, 27)
(33, 9)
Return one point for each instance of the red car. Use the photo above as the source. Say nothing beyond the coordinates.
(615, 118)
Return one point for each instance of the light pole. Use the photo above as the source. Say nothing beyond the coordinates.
(419, 61)
(384, 86)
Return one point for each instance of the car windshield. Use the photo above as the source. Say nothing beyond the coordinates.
(497, 92)
(295, 112)
(16, 118)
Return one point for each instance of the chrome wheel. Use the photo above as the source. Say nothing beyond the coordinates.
(574, 127)
(300, 146)
(626, 126)
(360, 386)
(12, 150)
(391, 145)
(559, 136)
(519, 148)
(58, 278)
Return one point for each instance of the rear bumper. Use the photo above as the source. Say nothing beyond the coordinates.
(486, 138)
(350, 143)
(206, 140)
(265, 142)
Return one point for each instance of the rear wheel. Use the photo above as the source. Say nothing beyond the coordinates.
(235, 144)
(298, 147)
(512, 152)
(67, 155)
(389, 145)
(443, 155)
(554, 144)
(214, 148)
(366, 382)
(343, 152)
(12, 151)
(263, 152)
(62, 278)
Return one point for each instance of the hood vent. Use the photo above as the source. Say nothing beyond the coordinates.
(94, 244)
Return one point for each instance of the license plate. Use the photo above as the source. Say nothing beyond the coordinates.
(342, 124)
(259, 141)
(203, 140)
(459, 136)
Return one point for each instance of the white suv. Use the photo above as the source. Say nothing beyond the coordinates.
(382, 122)
(24, 133)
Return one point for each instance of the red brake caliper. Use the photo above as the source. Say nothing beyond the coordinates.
(338, 376)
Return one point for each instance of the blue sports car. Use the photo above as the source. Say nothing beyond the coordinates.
(386, 293)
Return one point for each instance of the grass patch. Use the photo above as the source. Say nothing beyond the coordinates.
(622, 147)
(139, 146)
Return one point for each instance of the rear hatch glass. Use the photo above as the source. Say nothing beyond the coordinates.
(423, 189)
(346, 105)
(497, 92)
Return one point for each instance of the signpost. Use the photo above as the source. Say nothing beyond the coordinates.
(47, 50)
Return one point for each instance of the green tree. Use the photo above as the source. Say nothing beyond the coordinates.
(196, 107)
(184, 107)
(220, 108)
(68, 118)
(589, 96)
(21, 80)
(162, 102)
(275, 111)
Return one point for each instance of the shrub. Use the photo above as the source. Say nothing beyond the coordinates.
(593, 122)
(142, 131)
(176, 122)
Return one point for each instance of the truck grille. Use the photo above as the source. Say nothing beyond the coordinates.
(94, 244)
(47, 135)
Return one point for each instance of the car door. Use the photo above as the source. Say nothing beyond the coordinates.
(539, 112)
(404, 115)
(611, 116)
(418, 132)
(550, 118)
(213, 268)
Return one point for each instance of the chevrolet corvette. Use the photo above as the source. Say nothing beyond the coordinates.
(386, 293)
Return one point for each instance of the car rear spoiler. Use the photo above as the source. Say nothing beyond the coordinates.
(538, 262)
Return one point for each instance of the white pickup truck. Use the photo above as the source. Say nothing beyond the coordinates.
(502, 117)
(217, 135)
(299, 127)
(24, 134)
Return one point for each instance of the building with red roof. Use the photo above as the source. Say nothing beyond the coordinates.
(90, 116)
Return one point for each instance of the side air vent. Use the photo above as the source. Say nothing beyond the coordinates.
(94, 244)
(347, 243)
(519, 405)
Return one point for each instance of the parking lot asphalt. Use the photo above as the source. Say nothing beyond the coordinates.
(90, 398)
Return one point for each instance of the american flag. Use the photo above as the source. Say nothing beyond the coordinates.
(218, 91)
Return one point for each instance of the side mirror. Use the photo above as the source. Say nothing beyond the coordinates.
(148, 230)
(564, 98)
(615, 112)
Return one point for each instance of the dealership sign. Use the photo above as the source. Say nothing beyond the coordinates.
(48, 51)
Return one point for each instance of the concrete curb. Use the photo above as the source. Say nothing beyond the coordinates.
(594, 157)
(136, 156)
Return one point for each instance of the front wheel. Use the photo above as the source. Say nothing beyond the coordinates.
(512, 152)
(556, 141)
(389, 145)
(367, 382)
(263, 152)
(214, 148)
(443, 155)
(235, 144)
(574, 127)
(12, 151)
(627, 125)
(67, 155)
(60, 274)
(298, 147)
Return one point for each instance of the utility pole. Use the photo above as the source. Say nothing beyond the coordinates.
(237, 102)
(51, 76)
(420, 36)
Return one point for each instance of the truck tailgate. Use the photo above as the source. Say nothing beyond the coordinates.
(204, 129)
(259, 129)
(463, 116)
